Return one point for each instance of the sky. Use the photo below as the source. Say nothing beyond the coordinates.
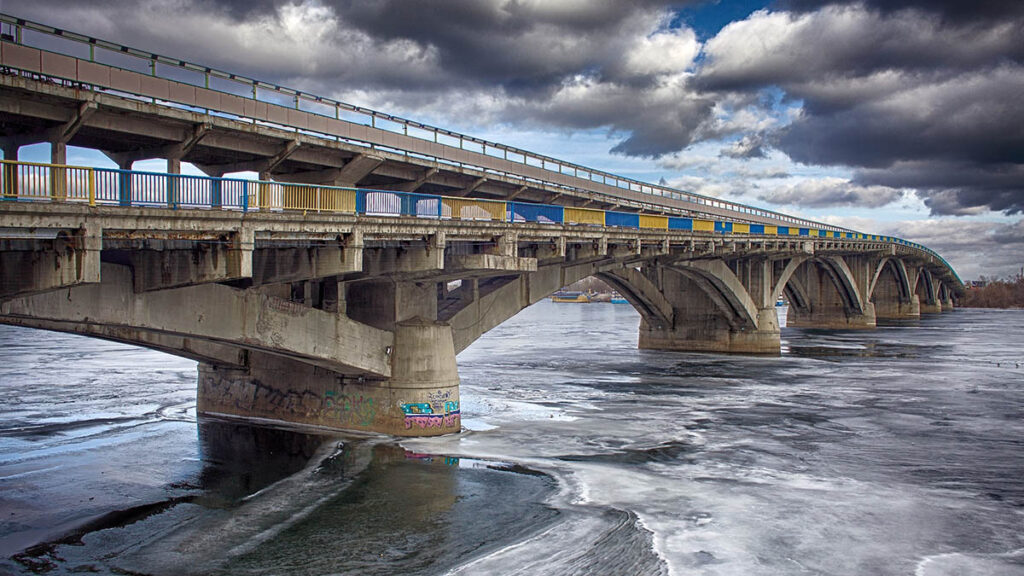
(896, 117)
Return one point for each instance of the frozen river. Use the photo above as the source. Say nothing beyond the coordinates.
(893, 451)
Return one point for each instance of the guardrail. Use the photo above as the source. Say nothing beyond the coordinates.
(19, 32)
(32, 181)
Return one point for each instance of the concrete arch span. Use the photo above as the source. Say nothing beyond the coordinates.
(824, 292)
(892, 292)
(927, 292)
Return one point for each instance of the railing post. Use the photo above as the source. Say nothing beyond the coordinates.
(10, 175)
(360, 202)
(245, 196)
(92, 185)
(124, 187)
(215, 193)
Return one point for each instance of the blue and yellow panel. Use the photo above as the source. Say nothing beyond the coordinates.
(648, 221)
(740, 228)
(703, 226)
(622, 219)
(783, 230)
(680, 223)
(723, 227)
(757, 228)
(584, 216)
(804, 232)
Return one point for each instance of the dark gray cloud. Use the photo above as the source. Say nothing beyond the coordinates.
(831, 192)
(749, 146)
(954, 10)
(909, 98)
(910, 94)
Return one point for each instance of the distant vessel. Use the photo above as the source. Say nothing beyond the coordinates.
(618, 299)
(568, 296)
(780, 302)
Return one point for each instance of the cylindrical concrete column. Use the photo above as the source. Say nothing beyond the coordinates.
(420, 399)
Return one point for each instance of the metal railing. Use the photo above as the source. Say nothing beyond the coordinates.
(54, 40)
(38, 182)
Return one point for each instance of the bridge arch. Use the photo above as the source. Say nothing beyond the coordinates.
(891, 291)
(926, 292)
(824, 293)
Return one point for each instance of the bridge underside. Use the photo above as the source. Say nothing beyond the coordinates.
(355, 322)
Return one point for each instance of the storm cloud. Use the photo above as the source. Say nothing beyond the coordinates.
(914, 97)
(905, 95)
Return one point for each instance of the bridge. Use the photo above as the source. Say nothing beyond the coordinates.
(337, 288)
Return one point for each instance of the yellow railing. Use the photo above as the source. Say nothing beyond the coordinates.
(703, 225)
(583, 216)
(465, 209)
(53, 182)
(316, 199)
(649, 221)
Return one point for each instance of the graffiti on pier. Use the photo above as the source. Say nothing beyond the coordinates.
(441, 411)
(424, 421)
(349, 409)
(417, 408)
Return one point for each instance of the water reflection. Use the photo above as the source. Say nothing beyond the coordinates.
(240, 459)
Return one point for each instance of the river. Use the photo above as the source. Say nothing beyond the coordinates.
(893, 451)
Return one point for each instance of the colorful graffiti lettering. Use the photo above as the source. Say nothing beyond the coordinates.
(351, 410)
(424, 421)
(417, 408)
(451, 406)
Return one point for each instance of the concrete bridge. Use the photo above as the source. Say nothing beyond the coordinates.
(338, 289)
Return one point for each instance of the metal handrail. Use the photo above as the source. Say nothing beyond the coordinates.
(221, 81)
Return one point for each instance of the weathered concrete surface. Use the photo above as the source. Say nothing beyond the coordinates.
(420, 399)
(29, 266)
(220, 313)
(354, 322)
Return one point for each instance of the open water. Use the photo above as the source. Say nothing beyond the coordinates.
(893, 451)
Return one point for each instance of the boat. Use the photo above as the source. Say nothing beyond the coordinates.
(618, 299)
(570, 296)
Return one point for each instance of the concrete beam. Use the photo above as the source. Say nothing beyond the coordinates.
(160, 269)
(348, 175)
(293, 264)
(472, 187)
(262, 165)
(244, 318)
(415, 184)
(36, 265)
(191, 348)
(175, 151)
(60, 134)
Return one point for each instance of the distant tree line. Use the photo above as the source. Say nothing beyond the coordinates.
(995, 294)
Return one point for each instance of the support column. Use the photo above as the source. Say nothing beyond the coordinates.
(420, 399)
(711, 314)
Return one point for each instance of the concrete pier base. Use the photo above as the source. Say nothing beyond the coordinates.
(710, 335)
(832, 318)
(420, 399)
(896, 309)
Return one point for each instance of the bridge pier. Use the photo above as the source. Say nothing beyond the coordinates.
(420, 399)
(713, 307)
